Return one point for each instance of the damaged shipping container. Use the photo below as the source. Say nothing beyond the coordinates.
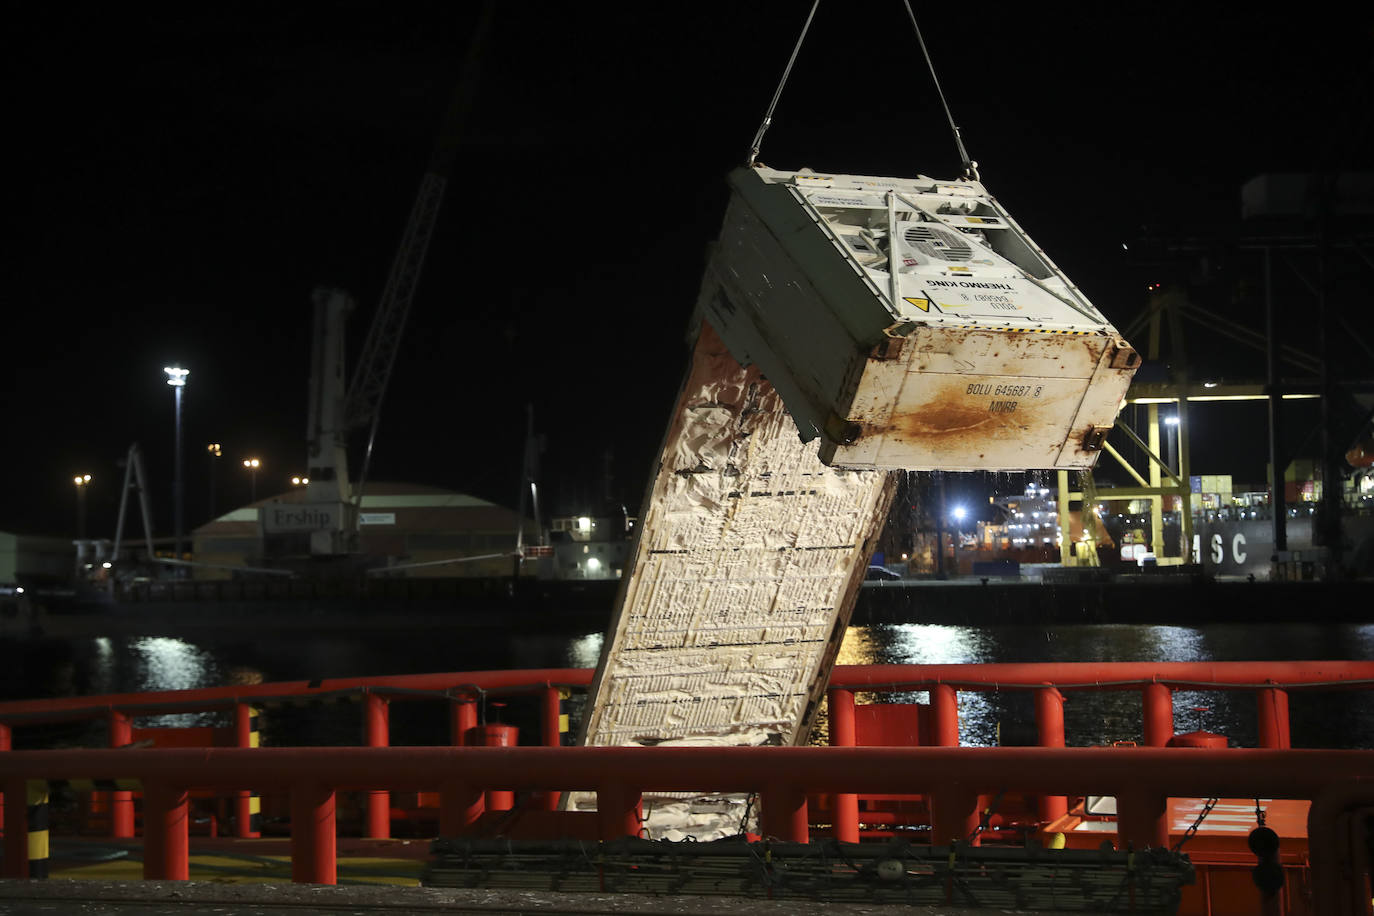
(912, 324)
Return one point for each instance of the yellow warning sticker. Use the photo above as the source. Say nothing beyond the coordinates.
(922, 304)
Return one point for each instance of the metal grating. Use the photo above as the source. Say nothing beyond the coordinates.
(1028, 878)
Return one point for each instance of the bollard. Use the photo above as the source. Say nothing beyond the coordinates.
(312, 835)
(121, 729)
(1049, 723)
(36, 794)
(1158, 711)
(247, 805)
(166, 847)
(1273, 718)
(377, 728)
(844, 805)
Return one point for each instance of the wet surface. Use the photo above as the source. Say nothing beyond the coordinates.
(154, 898)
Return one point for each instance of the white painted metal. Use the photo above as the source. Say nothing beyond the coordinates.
(329, 516)
(912, 324)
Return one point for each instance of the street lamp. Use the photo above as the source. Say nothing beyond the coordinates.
(213, 450)
(176, 377)
(82, 481)
(252, 464)
(1171, 421)
(958, 513)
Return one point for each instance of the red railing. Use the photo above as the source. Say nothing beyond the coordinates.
(1140, 778)
(463, 691)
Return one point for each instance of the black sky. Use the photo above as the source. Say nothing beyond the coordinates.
(184, 178)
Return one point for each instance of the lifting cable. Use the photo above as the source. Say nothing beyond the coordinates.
(970, 166)
(777, 94)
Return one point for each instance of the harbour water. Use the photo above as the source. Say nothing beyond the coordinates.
(31, 668)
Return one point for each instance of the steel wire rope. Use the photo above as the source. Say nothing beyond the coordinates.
(970, 167)
(755, 147)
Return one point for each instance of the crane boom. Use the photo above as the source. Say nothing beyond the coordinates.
(378, 358)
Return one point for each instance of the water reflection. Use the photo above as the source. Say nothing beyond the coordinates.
(51, 668)
(1093, 717)
(585, 651)
(163, 663)
(927, 644)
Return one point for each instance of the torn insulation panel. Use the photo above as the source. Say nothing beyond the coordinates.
(749, 557)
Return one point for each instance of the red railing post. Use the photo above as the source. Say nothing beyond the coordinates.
(463, 712)
(551, 708)
(15, 863)
(166, 847)
(1158, 703)
(1049, 723)
(1273, 718)
(460, 805)
(497, 735)
(953, 814)
(617, 812)
(377, 725)
(784, 813)
(312, 835)
(844, 806)
(6, 738)
(247, 806)
(944, 708)
(1141, 819)
(457, 809)
(121, 727)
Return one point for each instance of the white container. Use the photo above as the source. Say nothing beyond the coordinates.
(959, 347)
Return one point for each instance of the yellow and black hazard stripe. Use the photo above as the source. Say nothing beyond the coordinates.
(37, 813)
(565, 738)
(254, 800)
(1042, 331)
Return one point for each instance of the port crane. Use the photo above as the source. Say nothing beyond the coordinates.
(336, 412)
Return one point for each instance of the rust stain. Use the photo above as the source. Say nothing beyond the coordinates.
(959, 421)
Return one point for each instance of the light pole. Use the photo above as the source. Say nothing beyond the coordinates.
(1171, 421)
(82, 481)
(252, 464)
(213, 450)
(958, 513)
(176, 377)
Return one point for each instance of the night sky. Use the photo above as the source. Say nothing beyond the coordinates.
(185, 178)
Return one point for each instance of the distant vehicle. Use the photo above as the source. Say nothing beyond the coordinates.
(880, 573)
